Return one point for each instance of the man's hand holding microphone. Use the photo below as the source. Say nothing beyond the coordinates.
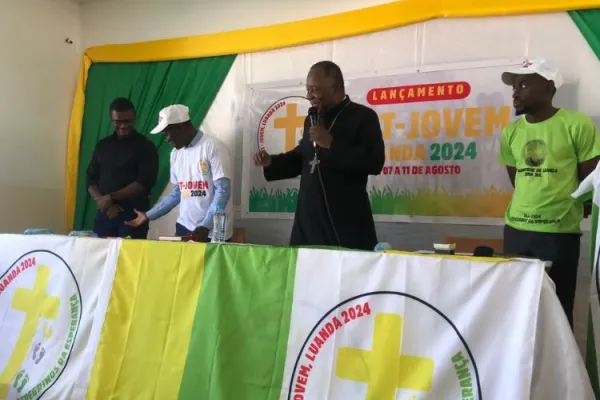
(317, 134)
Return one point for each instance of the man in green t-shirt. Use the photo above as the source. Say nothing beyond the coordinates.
(547, 152)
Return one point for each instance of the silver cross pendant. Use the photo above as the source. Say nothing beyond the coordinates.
(313, 164)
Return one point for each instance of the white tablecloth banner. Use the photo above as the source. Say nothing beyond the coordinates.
(50, 300)
(362, 325)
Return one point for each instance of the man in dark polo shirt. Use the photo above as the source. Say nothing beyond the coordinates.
(122, 173)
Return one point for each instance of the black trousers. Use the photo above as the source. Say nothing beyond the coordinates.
(113, 228)
(182, 231)
(562, 249)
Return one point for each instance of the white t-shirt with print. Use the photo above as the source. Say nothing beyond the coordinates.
(194, 169)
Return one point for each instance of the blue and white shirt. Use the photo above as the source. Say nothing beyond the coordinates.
(201, 175)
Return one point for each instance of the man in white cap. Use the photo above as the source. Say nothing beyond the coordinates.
(547, 152)
(200, 174)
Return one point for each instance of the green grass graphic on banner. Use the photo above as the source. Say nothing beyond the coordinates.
(485, 203)
(273, 201)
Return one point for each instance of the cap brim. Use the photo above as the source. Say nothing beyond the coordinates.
(508, 77)
(159, 128)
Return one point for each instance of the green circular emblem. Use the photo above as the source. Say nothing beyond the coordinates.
(535, 152)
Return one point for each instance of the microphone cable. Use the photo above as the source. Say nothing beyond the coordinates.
(312, 112)
(337, 237)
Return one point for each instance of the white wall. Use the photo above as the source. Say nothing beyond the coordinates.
(38, 72)
(126, 21)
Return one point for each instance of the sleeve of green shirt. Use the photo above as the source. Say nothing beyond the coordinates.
(586, 140)
(506, 155)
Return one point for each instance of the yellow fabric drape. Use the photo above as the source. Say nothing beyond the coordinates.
(352, 23)
(73, 141)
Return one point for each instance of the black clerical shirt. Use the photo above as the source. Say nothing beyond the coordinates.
(333, 204)
(118, 162)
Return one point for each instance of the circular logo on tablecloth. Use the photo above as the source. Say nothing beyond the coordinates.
(383, 355)
(42, 311)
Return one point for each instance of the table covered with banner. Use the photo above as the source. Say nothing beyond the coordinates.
(84, 318)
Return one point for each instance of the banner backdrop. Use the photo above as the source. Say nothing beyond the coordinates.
(441, 130)
(93, 319)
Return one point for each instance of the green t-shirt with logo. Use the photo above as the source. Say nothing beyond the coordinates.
(546, 155)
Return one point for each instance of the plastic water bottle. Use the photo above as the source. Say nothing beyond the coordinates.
(38, 231)
(218, 235)
(83, 234)
(383, 246)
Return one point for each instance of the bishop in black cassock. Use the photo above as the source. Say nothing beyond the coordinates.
(333, 204)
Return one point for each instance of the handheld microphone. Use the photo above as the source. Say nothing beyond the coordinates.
(313, 114)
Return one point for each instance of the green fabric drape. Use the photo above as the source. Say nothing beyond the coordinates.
(151, 87)
(588, 22)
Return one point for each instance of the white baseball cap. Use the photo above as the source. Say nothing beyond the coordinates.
(175, 114)
(534, 66)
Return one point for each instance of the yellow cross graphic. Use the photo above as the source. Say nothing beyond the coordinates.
(383, 368)
(36, 304)
(291, 122)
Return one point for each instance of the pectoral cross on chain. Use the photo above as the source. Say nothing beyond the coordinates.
(313, 164)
